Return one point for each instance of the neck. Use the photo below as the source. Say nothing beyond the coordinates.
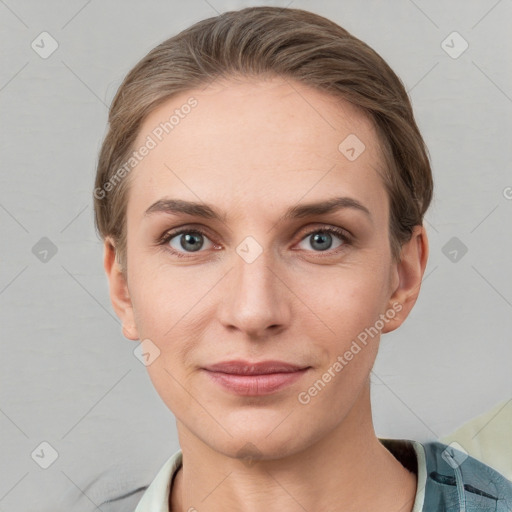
(348, 469)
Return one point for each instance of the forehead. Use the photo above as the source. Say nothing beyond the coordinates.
(247, 139)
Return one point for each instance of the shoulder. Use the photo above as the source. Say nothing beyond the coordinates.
(126, 489)
(458, 482)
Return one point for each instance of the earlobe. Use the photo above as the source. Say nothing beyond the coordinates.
(119, 293)
(410, 270)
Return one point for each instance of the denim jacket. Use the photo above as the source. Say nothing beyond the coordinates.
(457, 482)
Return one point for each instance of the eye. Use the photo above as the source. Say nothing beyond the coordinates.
(321, 239)
(186, 240)
(190, 240)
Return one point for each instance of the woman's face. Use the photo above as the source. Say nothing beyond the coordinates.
(263, 279)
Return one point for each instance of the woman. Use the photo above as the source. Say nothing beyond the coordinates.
(261, 193)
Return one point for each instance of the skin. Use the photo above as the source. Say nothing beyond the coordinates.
(252, 149)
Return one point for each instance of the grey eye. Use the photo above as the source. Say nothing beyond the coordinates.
(322, 240)
(188, 241)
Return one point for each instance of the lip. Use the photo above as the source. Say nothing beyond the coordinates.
(241, 367)
(255, 378)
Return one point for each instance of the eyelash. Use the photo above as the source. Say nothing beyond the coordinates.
(341, 233)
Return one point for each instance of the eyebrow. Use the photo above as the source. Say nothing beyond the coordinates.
(177, 206)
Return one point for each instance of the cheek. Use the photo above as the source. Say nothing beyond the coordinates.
(163, 315)
(350, 308)
(171, 308)
(161, 296)
(349, 300)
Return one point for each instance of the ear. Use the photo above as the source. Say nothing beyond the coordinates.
(119, 293)
(408, 274)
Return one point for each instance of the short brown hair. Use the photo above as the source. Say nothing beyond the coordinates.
(261, 42)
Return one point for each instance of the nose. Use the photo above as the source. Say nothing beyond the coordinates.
(255, 298)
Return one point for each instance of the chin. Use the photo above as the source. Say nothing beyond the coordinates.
(254, 444)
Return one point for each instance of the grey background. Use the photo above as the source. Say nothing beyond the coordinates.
(68, 375)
